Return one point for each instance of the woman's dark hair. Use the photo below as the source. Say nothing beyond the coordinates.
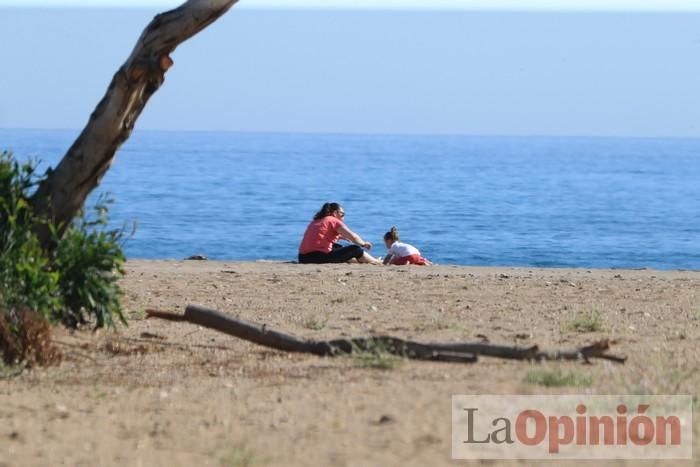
(392, 235)
(326, 210)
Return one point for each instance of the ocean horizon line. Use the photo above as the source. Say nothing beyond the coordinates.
(378, 134)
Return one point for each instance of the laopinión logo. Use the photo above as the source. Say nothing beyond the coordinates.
(572, 427)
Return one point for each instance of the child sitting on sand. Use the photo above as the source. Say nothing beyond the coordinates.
(401, 253)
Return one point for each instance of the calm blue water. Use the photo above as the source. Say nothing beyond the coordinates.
(507, 201)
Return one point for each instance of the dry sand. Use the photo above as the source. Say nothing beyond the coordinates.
(162, 393)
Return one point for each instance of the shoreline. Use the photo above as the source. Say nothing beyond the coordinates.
(209, 265)
(476, 266)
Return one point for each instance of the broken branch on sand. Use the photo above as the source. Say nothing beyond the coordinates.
(464, 352)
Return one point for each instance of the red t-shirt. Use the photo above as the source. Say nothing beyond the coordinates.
(320, 235)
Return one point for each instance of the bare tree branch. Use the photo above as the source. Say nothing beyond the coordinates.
(63, 193)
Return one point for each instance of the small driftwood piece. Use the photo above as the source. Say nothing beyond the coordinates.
(465, 352)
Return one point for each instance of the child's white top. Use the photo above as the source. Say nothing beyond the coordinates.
(401, 250)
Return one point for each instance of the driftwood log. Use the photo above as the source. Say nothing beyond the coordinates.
(465, 352)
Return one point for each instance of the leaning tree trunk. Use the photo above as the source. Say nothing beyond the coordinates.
(63, 193)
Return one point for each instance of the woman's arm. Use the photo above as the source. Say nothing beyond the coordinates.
(351, 236)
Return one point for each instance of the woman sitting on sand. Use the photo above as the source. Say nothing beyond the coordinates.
(401, 253)
(319, 242)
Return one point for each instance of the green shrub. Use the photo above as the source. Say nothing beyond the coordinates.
(90, 260)
(74, 283)
(26, 276)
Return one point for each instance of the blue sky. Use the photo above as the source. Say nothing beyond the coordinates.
(553, 70)
(607, 5)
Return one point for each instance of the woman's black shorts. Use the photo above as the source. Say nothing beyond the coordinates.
(337, 255)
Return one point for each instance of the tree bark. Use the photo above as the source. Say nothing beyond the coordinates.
(464, 352)
(62, 195)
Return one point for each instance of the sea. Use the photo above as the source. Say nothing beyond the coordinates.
(581, 202)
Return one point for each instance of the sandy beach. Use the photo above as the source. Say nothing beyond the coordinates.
(163, 393)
